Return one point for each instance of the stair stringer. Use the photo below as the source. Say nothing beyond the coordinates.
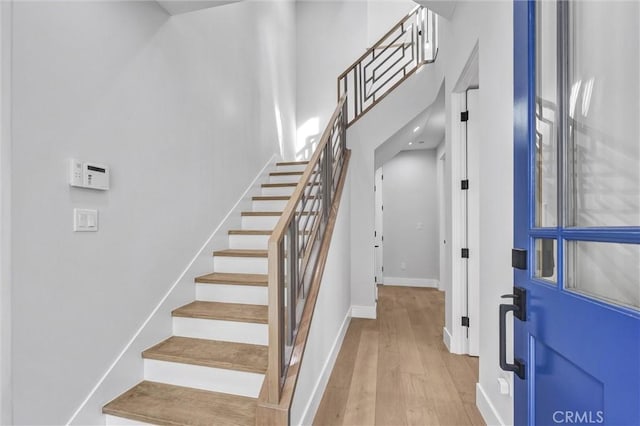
(128, 367)
(410, 98)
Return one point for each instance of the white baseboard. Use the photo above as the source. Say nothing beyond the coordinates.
(486, 408)
(368, 312)
(412, 282)
(310, 410)
(192, 269)
(446, 338)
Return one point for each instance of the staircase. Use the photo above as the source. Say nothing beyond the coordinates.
(212, 369)
(236, 351)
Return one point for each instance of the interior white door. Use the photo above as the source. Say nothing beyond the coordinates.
(378, 240)
(473, 224)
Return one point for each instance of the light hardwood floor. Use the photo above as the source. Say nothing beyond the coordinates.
(396, 371)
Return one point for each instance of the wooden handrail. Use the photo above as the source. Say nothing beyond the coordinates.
(277, 413)
(272, 385)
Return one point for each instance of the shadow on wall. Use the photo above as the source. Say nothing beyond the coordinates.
(307, 139)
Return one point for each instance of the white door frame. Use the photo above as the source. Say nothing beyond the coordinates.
(456, 337)
(473, 224)
(458, 333)
(6, 414)
(442, 212)
(378, 232)
(461, 268)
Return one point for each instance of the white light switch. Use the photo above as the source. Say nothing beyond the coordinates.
(85, 220)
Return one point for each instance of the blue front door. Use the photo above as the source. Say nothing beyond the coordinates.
(576, 350)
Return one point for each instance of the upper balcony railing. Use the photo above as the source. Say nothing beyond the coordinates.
(411, 43)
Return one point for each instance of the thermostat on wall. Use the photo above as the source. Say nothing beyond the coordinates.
(88, 175)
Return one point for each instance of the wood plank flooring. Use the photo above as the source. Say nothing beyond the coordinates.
(396, 371)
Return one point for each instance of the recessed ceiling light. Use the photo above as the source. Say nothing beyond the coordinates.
(410, 143)
(416, 129)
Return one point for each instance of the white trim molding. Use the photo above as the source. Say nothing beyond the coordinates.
(486, 408)
(311, 408)
(367, 312)
(412, 282)
(446, 338)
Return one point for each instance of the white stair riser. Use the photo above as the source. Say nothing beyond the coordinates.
(295, 168)
(250, 295)
(206, 378)
(227, 331)
(270, 205)
(240, 265)
(278, 190)
(256, 242)
(284, 190)
(121, 421)
(259, 222)
(284, 178)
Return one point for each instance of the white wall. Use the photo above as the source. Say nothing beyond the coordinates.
(382, 15)
(411, 218)
(5, 214)
(330, 320)
(166, 102)
(330, 36)
(490, 24)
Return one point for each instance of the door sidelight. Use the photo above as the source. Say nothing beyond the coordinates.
(519, 308)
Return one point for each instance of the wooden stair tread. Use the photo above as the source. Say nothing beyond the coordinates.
(270, 214)
(255, 232)
(211, 353)
(285, 185)
(271, 198)
(286, 173)
(240, 253)
(164, 404)
(276, 197)
(261, 214)
(292, 163)
(231, 278)
(278, 185)
(250, 232)
(224, 311)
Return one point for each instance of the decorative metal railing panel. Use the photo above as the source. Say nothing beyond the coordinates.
(411, 43)
(294, 246)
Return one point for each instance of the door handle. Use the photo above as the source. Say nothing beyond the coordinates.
(518, 307)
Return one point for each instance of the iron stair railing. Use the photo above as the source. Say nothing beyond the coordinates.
(294, 247)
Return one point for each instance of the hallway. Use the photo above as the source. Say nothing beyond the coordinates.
(396, 371)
